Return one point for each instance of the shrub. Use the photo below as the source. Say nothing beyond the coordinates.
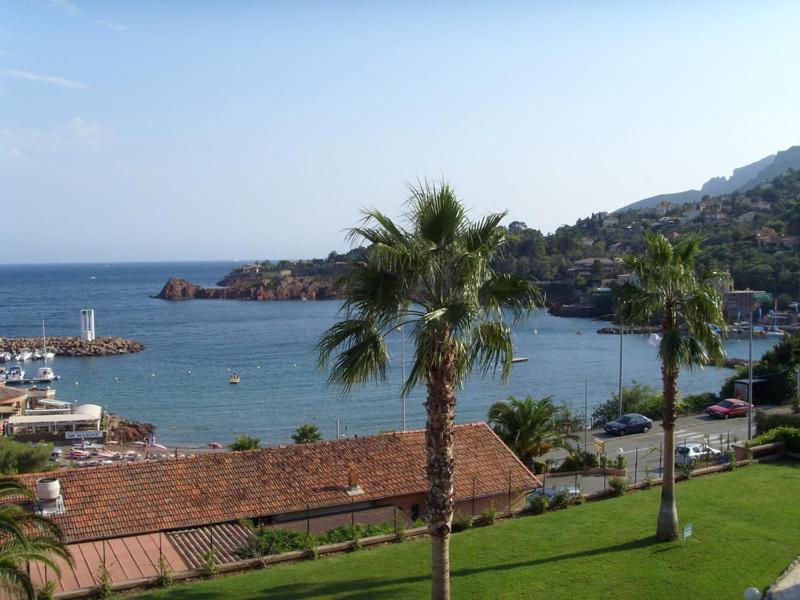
(48, 592)
(684, 470)
(767, 421)
(19, 457)
(578, 500)
(730, 459)
(539, 467)
(695, 403)
(639, 398)
(621, 462)
(560, 499)
(489, 516)
(307, 433)
(578, 461)
(539, 505)
(618, 485)
(245, 442)
(165, 575)
(210, 563)
(462, 521)
(104, 589)
(790, 436)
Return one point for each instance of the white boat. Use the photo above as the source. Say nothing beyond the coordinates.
(15, 374)
(2, 374)
(775, 332)
(45, 375)
(48, 355)
(37, 354)
(5, 356)
(23, 355)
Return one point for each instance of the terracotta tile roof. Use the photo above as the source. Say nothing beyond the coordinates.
(144, 497)
(8, 393)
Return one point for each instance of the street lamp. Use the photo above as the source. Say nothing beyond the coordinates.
(621, 330)
(403, 362)
(750, 382)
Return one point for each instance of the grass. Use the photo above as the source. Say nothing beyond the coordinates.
(744, 534)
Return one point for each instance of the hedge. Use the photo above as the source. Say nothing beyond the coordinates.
(790, 436)
(767, 421)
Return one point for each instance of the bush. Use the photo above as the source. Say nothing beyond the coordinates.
(620, 462)
(104, 589)
(19, 457)
(618, 485)
(48, 592)
(768, 421)
(560, 499)
(210, 563)
(245, 442)
(489, 516)
(790, 436)
(639, 398)
(578, 461)
(684, 470)
(539, 504)
(539, 467)
(695, 403)
(462, 521)
(165, 575)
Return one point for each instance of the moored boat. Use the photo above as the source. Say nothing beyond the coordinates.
(15, 374)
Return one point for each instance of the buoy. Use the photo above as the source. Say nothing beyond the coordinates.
(116, 378)
(189, 372)
(76, 383)
(152, 375)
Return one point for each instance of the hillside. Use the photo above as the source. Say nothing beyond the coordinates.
(742, 179)
(753, 234)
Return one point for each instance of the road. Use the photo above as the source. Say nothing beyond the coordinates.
(643, 450)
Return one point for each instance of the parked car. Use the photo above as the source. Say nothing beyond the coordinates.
(689, 454)
(550, 492)
(732, 407)
(630, 423)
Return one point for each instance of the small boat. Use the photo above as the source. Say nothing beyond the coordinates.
(233, 378)
(215, 445)
(519, 359)
(45, 375)
(23, 355)
(5, 356)
(37, 354)
(2, 374)
(15, 374)
(48, 355)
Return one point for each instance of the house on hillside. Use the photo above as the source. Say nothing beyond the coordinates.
(129, 515)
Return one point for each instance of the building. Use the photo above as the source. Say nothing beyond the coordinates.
(133, 513)
(87, 325)
(739, 304)
(58, 425)
(12, 400)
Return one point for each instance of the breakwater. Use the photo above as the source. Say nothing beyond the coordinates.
(73, 346)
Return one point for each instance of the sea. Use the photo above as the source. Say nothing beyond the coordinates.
(180, 381)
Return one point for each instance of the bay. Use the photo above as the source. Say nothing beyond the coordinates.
(180, 382)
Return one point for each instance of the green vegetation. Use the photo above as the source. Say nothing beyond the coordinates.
(687, 304)
(20, 457)
(268, 540)
(504, 561)
(639, 398)
(431, 274)
(532, 428)
(307, 433)
(245, 442)
(790, 436)
(767, 421)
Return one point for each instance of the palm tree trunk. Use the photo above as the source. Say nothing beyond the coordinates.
(440, 407)
(667, 528)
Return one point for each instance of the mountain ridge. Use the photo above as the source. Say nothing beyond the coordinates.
(741, 179)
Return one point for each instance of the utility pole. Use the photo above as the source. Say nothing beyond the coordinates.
(403, 361)
(586, 415)
(337, 429)
(750, 382)
(621, 329)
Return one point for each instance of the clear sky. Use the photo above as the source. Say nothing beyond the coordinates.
(237, 130)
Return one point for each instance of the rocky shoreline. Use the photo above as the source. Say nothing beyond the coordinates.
(126, 432)
(629, 330)
(281, 288)
(73, 346)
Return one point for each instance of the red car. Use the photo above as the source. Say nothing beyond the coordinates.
(732, 407)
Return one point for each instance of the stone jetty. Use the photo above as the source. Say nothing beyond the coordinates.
(73, 346)
(627, 330)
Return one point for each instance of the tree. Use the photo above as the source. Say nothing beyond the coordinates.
(20, 457)
(307, 433)
(531, 428)
(245, 442)
(27, 537)
(668, 287)
(433, 276)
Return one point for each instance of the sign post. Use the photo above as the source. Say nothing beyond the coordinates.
(688, 529)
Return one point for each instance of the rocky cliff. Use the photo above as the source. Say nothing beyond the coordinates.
(279, 288)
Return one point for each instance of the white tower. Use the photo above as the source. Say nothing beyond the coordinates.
(87, 325)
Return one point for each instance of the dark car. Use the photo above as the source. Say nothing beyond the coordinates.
(630, 423)
(732, 407)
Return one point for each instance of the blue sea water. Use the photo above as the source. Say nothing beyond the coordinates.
(180, 382)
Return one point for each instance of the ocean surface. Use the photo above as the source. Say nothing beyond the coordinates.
(180, 382)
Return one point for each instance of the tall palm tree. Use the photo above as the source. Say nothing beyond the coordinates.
(25, 537)
(433, 276)
(666, 286)
(531, 428)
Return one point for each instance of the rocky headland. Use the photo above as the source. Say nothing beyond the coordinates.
(286, 287)
(73, 346)
(126, 432)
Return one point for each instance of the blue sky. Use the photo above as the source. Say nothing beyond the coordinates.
(234, 130)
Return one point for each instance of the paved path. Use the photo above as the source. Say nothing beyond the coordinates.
(788, 586)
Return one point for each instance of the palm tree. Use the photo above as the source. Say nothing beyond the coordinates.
(531, 428)
(433, 277)
(666, 286)
(25, 537)
(307, 433)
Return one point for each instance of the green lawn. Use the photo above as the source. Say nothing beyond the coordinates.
(746, 531)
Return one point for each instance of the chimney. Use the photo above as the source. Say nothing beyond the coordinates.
(352, 482)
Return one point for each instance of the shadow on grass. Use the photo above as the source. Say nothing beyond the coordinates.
(380, 588)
